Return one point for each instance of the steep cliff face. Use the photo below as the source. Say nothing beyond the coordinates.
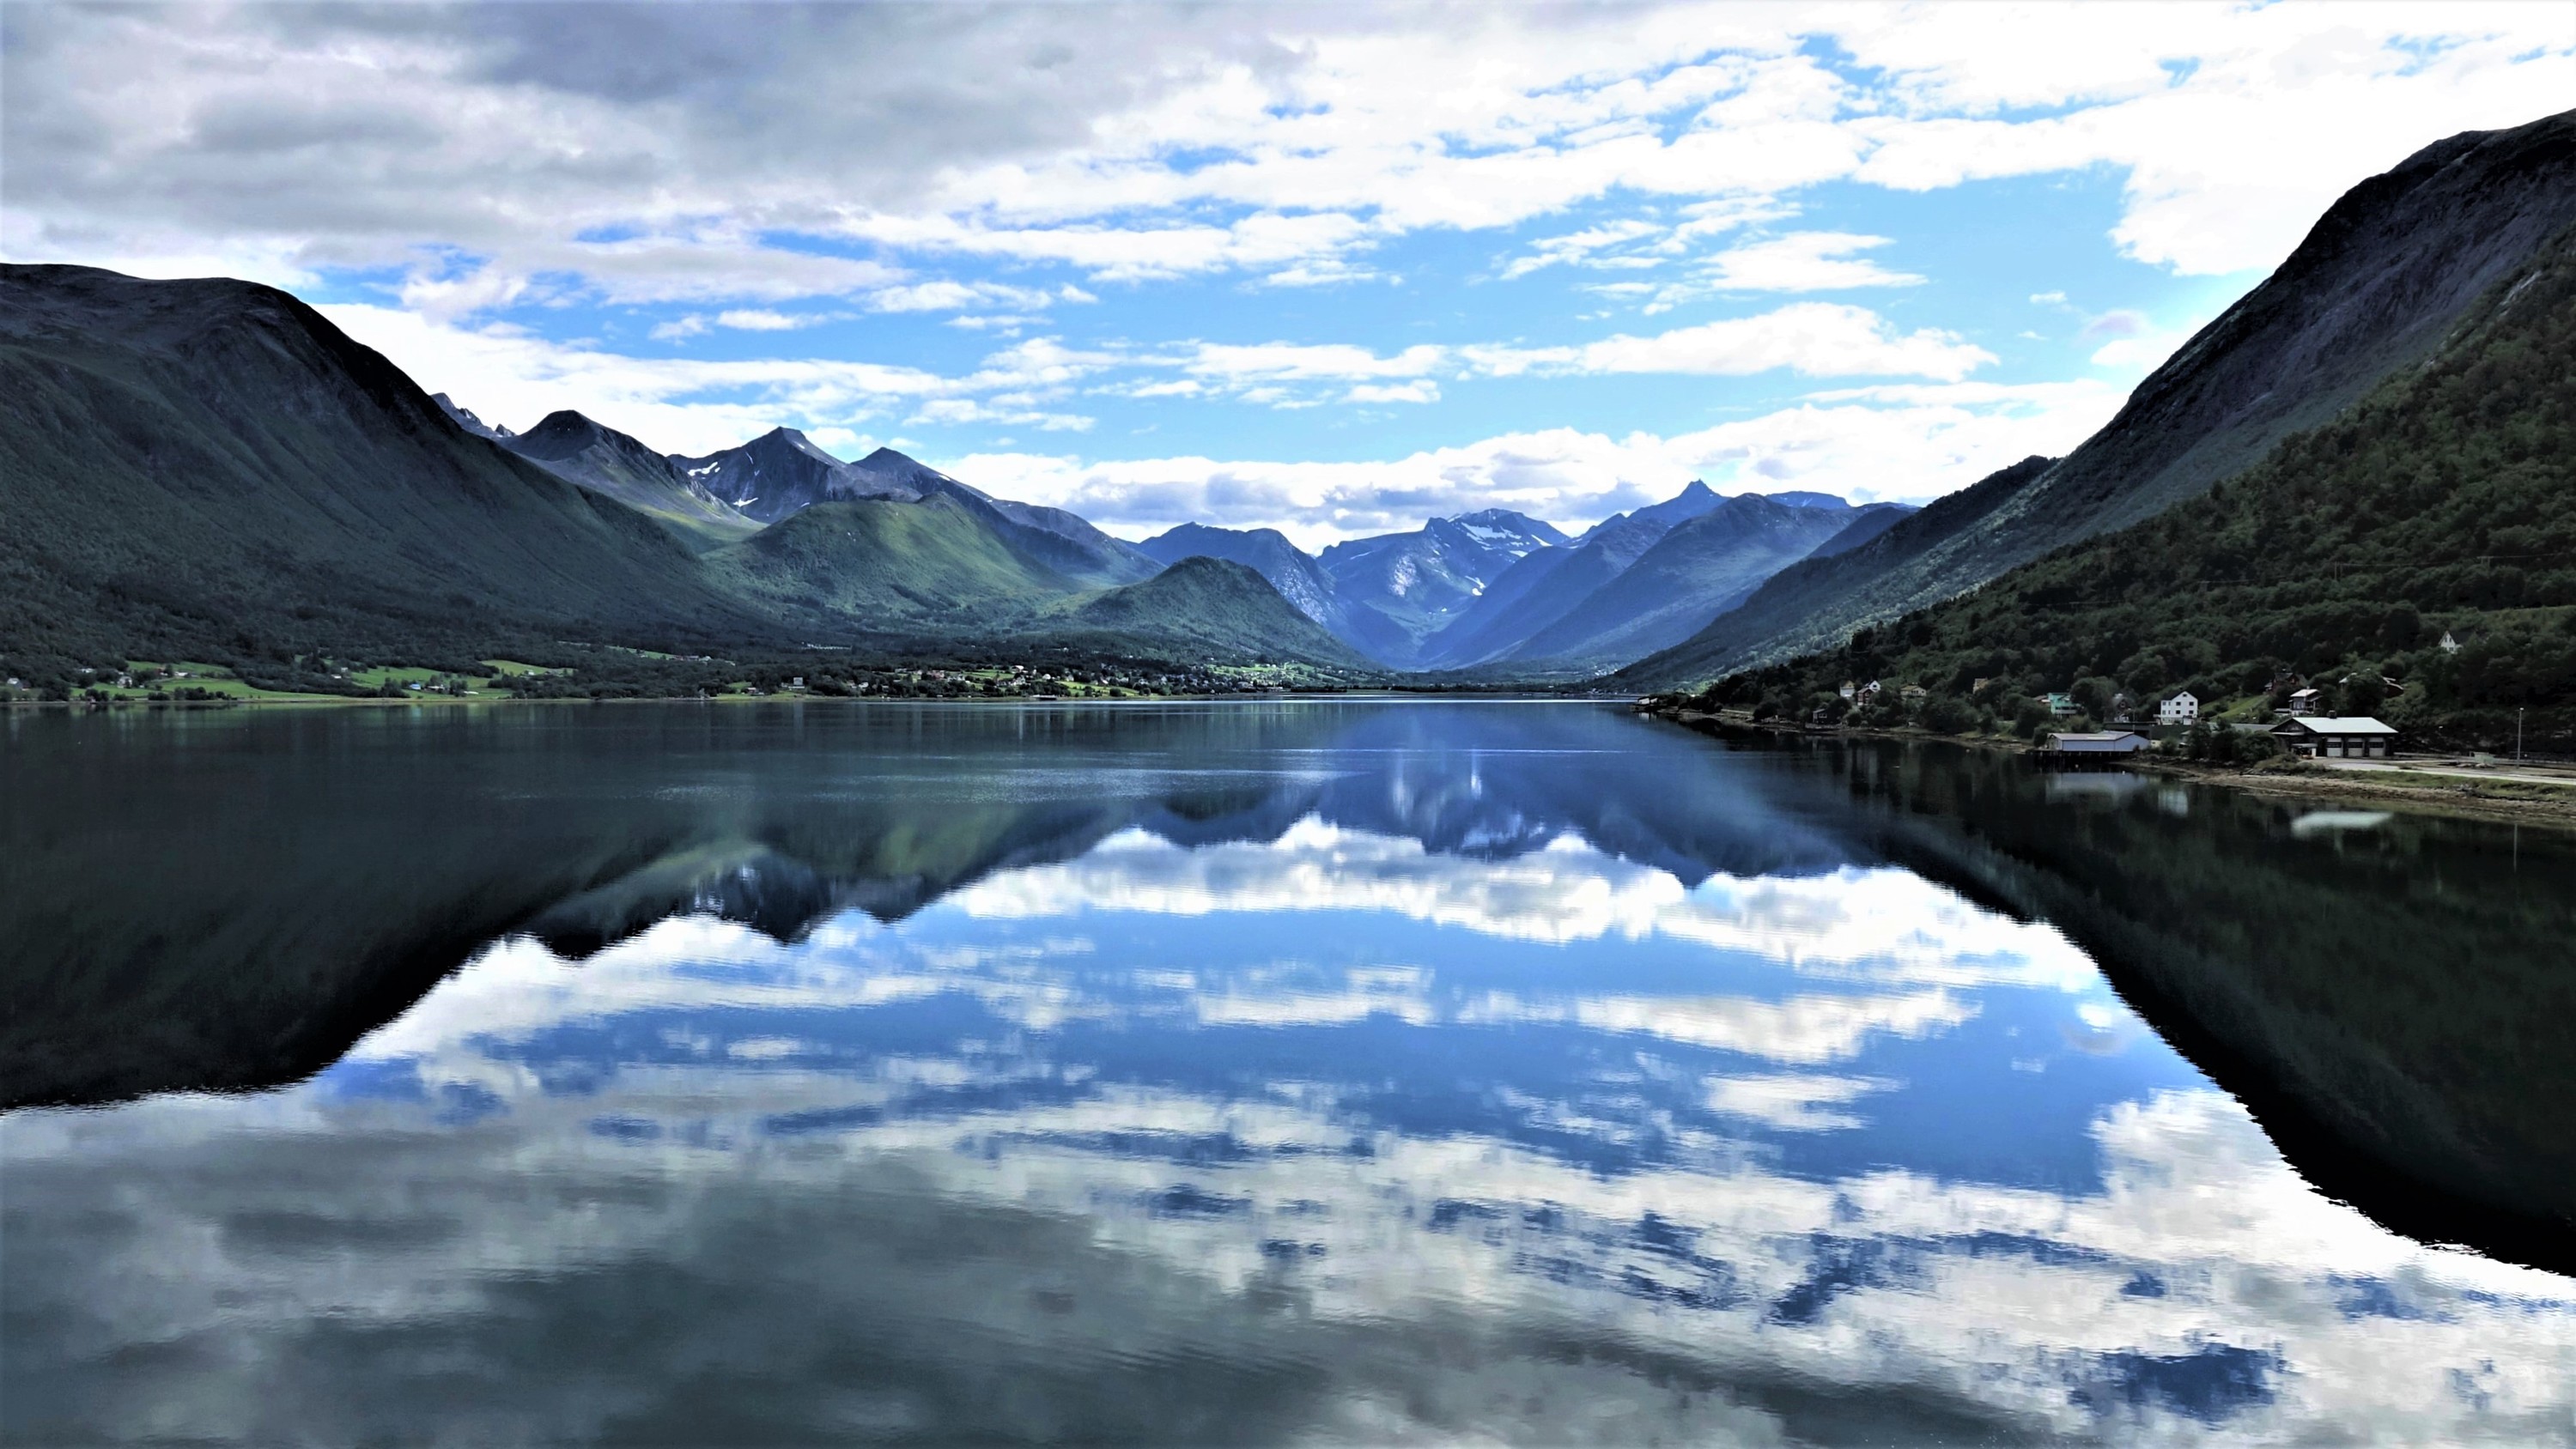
(2376, 286)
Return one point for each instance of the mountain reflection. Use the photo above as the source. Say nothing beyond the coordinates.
(1359, 1074)
(229, 901)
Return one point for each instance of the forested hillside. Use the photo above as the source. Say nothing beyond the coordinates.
(2442, 504)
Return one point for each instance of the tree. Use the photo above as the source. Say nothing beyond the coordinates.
(2095, 694)
(1947, 715)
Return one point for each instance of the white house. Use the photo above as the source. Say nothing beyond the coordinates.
(2336, 737)
(2182, 709)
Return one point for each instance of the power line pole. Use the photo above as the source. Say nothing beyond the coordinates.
(2517, 732)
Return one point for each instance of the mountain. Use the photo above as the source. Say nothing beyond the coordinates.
(2426, 536)
(899, 475)
(950, 567)
(604, 460)
(465, 419)
(1586, 608)
(2378, 283)
(900, 566)
(1543, 585)
(1423, 579)
(1199, 608)
(1295, 574)
(1266, 551)
(210, 469)
(1063, 541)
(1695, 499)
(1867, 522)
(1699, 569)
(780, 472)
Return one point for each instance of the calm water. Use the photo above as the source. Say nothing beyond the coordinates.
(1335, 1072)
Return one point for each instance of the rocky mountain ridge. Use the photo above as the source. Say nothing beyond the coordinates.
(2376, 286)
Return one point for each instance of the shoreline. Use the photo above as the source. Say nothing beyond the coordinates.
(2501, 801)
(444, 701)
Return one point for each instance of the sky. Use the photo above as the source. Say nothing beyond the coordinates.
(1329, 269)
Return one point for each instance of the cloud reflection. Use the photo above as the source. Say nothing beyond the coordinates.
(1137, 1147)
(1884, 924)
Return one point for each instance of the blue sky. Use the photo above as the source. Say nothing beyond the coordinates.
(1330, 269)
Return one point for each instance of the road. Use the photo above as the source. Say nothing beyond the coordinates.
(2526, 773)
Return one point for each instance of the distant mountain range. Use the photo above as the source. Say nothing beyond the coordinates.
(209, 470)
(1510, 596)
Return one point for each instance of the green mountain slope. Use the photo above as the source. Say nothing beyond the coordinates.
(945, 568)
(2444, 503)
(2377, 284)
(210, 470)
(1199, 608)
(887, 565)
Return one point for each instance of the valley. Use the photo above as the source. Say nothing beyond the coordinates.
(2355, 478)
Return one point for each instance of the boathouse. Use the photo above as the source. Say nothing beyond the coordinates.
(2091, 749)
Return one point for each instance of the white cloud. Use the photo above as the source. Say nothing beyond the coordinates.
(1807, 261)
(1420, 390)
(954, 411)
(1901, 440)
(951, 296)
(1818, 339)
(1907, 442)
(1582, 247)
(679, 405)
(762, 320)
(1273, 142)
(1295, 362)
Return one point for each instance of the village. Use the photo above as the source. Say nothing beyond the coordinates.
(2297, 729)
